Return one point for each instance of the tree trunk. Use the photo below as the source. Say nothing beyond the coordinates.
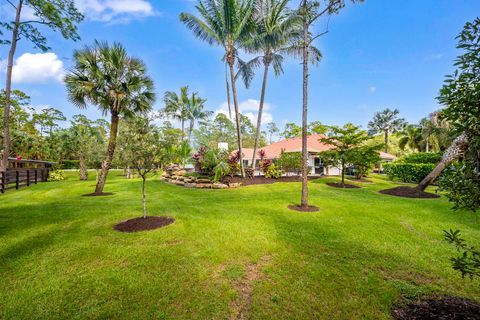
(192, 125)
(183, 128)
(455, 151)
(386, 141)
(83, 169)
(427, 146)
(144, 195)
(110, 152)
(343, 173)
(237, 119)
(129, 173)
(259, 118)
(228, 93)
(304, 200)
(8, 90)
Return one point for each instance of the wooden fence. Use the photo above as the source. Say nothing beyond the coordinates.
(17, 178)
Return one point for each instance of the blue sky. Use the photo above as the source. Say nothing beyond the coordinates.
(377, 54)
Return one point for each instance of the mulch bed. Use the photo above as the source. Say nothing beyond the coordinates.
(304, 209)
(360, 180)
(143, 224)
(103, 194)
(339, 185)
(263, 180)
(407, 192)
(451, 308)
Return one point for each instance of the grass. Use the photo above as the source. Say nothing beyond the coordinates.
(230, 253)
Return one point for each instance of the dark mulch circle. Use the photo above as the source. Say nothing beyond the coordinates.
(407, 192)
(143, 224)
(263, 180)
(451, 308)
(339, 185)
(360, 180)
(103, 194)
(304, 209)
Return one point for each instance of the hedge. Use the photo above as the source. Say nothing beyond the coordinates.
(421, 158)
(408, 172)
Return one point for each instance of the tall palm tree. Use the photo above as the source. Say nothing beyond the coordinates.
(176, 106)
(195, 112)
(106, 76)
(411, 136)
(386, 122)
(226, 23)
(277, 30)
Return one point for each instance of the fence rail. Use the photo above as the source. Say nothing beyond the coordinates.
(17, 178)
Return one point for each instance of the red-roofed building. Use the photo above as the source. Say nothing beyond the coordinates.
(314, 147)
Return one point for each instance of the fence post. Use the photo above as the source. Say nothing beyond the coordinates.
(28, 178)
(2, 181)
(36, 176)
(17, 178)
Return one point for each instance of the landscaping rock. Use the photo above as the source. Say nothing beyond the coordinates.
(219, 186)
(203, 181)
(234, 185)
(190, 185)
(204, 185)
(181, 173)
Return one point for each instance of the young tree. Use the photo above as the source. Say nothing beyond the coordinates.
(272, 129)
(141, 149)
(226, 23)
(59, 15)
(116, 83)
(348, 142)
(386, 122)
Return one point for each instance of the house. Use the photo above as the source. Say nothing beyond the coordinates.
(314, 148)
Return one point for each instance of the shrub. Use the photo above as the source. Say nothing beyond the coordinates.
(421, 158)
(290, 161)
(408, 172)
(70, 164)
(274, 172)
(56, 175)
(265, 165)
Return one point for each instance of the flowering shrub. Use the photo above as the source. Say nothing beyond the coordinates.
(264, 163)
(234, 163)
(56, 175)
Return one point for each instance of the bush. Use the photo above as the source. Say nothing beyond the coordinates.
(408, 172)
(274, 172)
(56, 175)
(421, 158)
(290, 161)
(70, 164)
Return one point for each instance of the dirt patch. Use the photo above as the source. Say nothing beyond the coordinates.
(143, 224)
(304, 209)
(360, 180)
(242, 303)
(103, 194)
(339, 185)
(263, 180)
(451, 308)
(407, 192)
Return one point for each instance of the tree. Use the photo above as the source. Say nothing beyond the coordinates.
(348, 142)
(176, 106)
(316, 127)
(364, 159)
(272, 129)
(386, 122)
(277, 28)
(291, 131)
(116, 83)
(310, 11)
(411, 136)
(195, 112)
(226, 23)
(56, 15)
(140, 146)
(184, 152)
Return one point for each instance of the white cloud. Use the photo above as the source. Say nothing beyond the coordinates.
(248, 108)
(372, 89)
(115, 11)
(37, 67)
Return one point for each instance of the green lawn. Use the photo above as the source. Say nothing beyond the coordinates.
(236, 253)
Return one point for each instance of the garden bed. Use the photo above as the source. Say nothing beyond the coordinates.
(143, 224)
(345, 186)
(407, 192)
(451, 308)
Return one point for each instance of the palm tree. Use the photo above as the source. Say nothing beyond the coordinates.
(386, 122)
(411, 136)
(277, 29)
(226, 23)
(194, 112)
(176, 106)
(106, 76)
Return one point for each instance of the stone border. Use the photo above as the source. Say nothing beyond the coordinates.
(180, 179)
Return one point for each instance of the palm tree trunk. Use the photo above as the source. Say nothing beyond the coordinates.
(304, 200)
(456, 150)
(386, 141)
(259, 118)
(83, 169)
(183, 129)
(237, 118)
(192, 125)
(228, 93)
(8, 89)
(110, 152)
(144, 195)
(427, 146)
